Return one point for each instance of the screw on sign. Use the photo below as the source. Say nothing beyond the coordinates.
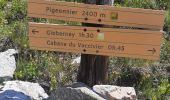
(94, 42)
(34, 31)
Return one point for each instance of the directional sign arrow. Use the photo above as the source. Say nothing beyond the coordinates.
(34, 31)
(153, 50)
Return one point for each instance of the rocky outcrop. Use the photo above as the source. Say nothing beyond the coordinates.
(32, 90)
(70, 94)
(7, 63)
(79, 91)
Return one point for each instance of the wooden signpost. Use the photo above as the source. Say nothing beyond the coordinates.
(99, 41)
(94, 42)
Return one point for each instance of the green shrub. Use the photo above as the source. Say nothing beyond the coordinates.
(163, 4)
(156, 89)
(5, 30)
(167, 23)
(36, 65)
(3, 3)
(165, 52)
(147, 4)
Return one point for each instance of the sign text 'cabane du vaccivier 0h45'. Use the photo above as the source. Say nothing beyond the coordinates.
(118, 42)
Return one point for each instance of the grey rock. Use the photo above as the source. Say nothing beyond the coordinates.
(68, 94)
(7, 63)
(77, 91)
(111, 92)
(33, 90)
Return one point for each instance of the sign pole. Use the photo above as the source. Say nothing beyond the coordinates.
(93, 69)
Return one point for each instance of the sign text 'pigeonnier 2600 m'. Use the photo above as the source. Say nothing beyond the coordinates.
(99, 41)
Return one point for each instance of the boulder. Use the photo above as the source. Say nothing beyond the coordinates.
(111, 92)
(33, 90)
(80, 91)
(77, 91)
(7, 63)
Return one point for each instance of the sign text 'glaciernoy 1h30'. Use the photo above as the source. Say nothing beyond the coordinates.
(133, 43)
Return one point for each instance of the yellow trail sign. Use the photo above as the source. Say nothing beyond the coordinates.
(92, 40)
(133, 17)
